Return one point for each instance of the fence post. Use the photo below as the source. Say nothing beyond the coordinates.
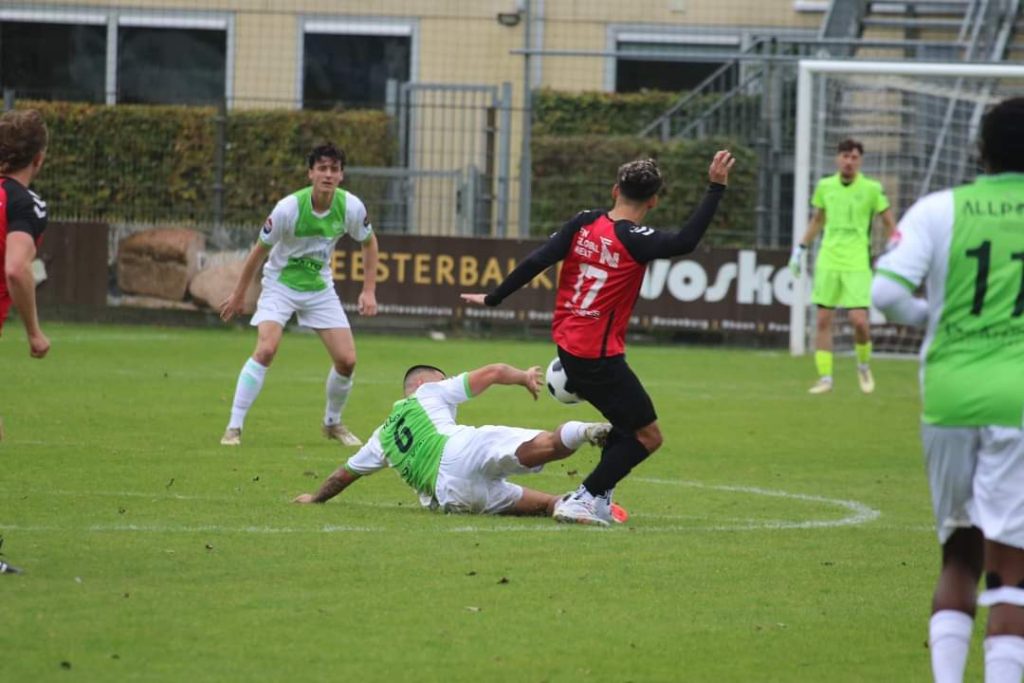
(525, 155)
(9, 99)
(220, 125)
(504, 156)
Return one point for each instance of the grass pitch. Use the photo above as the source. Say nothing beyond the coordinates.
(776, 536)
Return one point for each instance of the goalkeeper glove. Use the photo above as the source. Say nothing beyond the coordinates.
(795, 258)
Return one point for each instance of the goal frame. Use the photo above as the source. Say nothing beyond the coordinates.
(807, 69)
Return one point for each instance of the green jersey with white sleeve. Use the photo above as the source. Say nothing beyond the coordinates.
(416, 434)
(966, 245)
(302, 240)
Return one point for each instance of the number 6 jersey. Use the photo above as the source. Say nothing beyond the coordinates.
(414, 435)
(966, 245)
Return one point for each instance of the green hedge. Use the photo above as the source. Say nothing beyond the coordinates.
(156, 163)
(576, 172)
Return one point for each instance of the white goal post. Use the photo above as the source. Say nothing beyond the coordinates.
(921, 118)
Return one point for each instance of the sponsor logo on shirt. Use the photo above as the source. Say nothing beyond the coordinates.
(268, 226)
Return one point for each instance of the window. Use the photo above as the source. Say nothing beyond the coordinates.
(159, 62)
(349, 64)
(62, 59)
(699, 56)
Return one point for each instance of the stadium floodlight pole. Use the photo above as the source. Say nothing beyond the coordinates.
(807, 70)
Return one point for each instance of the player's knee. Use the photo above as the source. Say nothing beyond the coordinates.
(345, 366)
(264, 355)
(650, 437)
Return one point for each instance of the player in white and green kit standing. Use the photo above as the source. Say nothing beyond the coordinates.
(845, 206)
(460, 468)
(966, 246)
(299, 237)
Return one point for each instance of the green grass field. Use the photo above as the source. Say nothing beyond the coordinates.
(776, 536)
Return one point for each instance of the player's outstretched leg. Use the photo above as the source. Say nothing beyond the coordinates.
(561, 443)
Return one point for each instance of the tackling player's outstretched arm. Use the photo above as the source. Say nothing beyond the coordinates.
(501, 373)
(337, 482)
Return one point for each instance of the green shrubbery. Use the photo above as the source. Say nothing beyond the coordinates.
(157, 163)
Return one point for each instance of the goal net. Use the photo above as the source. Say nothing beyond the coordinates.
(919, 124)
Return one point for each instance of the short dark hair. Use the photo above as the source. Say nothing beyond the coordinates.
(848, 145)
(415, 370)
(23, 135)
(639, 180)
(326, 151)
(1002, 137)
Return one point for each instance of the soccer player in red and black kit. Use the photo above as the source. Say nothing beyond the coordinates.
(605, 256)
(23, 138)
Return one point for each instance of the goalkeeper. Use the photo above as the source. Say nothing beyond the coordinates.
(845, 204)
(457, 467)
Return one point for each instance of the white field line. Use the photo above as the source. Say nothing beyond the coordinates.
(859, 513)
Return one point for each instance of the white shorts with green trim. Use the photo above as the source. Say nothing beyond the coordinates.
(474, 467)
(317, 310)
(976, 475)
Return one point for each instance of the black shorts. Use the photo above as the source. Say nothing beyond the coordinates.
(610, 386)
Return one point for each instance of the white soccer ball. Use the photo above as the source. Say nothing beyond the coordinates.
(556, 379)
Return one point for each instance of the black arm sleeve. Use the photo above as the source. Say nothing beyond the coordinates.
(23, 215)
(545, 256)
(646, 245)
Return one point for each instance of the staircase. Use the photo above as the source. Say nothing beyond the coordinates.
(751, 100)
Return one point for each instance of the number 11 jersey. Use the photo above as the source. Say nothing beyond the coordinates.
(966, 245)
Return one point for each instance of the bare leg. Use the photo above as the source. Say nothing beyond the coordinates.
(544, 448)
(823, 335)
(861, 325)
(961, 569)
(534, 503)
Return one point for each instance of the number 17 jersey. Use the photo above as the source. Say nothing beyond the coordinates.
(597, 288)
(967, 246)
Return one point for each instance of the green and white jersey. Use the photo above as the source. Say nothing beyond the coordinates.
(966, 245)
(416, 434)
(302, 241)
(849, 210)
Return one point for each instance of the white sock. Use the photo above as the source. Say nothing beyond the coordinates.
(250, 381)
(338, 388)
(949, 639)
(572, 434)
(1004, 659)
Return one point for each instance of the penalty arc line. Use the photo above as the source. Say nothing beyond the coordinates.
(860, 514)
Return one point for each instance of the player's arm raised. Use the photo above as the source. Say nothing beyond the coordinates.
(501, 373)
(234, 304)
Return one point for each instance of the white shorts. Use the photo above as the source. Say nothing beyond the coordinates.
(317, 310)
(976, 475)
(474, 466)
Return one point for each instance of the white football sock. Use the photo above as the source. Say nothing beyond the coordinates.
(573, 434)
(949, 639)
(1004, 659)
(250, 381)
(338, 388)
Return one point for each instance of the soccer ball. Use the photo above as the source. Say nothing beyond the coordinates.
(556, 379)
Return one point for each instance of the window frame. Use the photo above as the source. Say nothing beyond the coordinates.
(113, 19)
(397, 27)
(631, 33)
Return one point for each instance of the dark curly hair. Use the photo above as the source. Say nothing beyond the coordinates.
(1002, 137)
(639, 180)
(23, 135)
(326, 151)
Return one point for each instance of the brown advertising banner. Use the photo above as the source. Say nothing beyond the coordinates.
(711, 290)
